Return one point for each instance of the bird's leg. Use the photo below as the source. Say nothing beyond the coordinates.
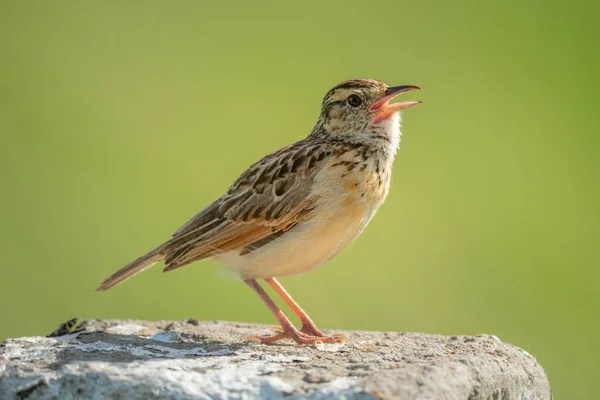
(308, 326)
(289, 330)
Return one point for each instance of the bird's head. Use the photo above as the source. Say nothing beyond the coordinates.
(362, 107)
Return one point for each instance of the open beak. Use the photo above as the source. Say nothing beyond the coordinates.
(384, 110)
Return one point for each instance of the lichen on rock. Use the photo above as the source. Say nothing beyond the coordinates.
(206, 360)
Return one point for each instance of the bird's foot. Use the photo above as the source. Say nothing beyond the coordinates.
(311, 329)
(300, 337)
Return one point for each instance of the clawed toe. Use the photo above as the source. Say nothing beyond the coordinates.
(276, 328)
(312, 330)
(339, 338)
(300, 338)
(269, 339)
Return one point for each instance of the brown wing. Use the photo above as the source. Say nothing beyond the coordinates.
(265, 201)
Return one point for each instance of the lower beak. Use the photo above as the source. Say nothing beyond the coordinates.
(384, 110)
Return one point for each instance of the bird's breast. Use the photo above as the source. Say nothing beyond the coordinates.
(345, 200)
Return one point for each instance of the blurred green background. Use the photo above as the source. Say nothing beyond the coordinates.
(120, 120)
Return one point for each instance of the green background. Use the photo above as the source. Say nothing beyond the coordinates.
(120, 120)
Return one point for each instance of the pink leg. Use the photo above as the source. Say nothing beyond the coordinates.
(289, 331)
(308, 326)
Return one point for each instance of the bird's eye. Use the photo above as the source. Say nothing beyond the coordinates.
(354, 100)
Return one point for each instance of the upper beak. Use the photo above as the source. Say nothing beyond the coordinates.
(384, 109)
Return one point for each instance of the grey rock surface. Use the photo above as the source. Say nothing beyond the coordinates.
(210, 360)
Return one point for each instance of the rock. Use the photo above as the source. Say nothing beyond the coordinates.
(210, 360)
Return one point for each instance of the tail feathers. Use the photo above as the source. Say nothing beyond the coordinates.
(131, 269)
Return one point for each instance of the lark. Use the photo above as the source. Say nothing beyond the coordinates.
(298, 207)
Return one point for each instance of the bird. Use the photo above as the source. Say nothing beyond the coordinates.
(298, 207)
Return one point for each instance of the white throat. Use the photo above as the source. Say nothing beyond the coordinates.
(386, 135)
(393, 129)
